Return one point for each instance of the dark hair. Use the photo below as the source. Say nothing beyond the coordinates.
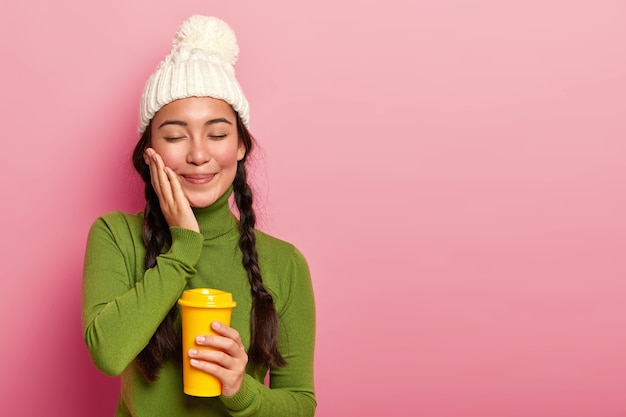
(165, 344)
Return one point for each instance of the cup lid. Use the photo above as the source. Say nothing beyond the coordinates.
(207, 297)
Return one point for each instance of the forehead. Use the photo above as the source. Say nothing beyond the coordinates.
(198, 109)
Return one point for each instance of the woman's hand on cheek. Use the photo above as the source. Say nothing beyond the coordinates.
(226, 360)
(174, 205)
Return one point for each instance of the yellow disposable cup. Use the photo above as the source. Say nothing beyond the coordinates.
(200, 307)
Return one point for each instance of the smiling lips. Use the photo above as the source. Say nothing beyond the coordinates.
(198, 178)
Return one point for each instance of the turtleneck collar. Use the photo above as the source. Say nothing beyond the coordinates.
(216, 220)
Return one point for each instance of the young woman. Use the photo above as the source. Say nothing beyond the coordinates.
(192, 157)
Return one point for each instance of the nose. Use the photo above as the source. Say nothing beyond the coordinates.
(198, 153)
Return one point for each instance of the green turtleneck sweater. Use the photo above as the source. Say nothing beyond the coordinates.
(123, 304)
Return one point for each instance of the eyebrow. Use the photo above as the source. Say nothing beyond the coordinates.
(207, 123)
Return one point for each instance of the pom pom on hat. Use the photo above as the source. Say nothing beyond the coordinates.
(200, 64)
(208, 34)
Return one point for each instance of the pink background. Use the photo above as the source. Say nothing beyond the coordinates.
(453, 170)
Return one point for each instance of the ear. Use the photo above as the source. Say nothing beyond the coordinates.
(241, 150)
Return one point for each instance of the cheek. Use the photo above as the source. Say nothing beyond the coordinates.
(226, 157)
(171, 156)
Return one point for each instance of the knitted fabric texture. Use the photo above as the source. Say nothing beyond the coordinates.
(200, 64)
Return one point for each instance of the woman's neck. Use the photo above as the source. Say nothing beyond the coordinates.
(217, 219)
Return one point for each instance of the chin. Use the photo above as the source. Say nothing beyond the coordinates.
(205, 200)
(201, 204)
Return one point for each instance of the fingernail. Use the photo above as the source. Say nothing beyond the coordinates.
(215, 325)
(200, 339)
(192, 352)
(194, 362)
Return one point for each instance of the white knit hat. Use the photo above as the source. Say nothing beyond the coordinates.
(200, 64)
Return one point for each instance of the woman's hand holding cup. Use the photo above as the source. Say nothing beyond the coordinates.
(225, 357)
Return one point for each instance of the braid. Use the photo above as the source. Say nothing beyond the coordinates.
(165, 343)
(154, 227)
(264, 325)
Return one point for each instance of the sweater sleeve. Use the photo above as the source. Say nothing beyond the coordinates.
(122, 311)
(291, 392)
